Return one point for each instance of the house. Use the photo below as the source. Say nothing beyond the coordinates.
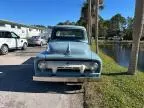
(22, 30)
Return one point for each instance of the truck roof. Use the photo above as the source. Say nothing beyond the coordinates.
(70, 26)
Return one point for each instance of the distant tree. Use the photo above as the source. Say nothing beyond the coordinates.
(130, 22)
(84, 13)
(129, 29)
(66, 23)
(115, 26)
(50, 27)
(127, 34)
(60, 23)
(103, 27)
(41, 26)
(82, 22)
(118, 22)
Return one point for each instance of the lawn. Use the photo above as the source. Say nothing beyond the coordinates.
(115, 89)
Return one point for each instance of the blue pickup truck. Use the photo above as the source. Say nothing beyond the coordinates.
(68, 57)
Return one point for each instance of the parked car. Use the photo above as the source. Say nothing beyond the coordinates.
(10, 40)
(68, 57)
(37, 40)
(115, 38)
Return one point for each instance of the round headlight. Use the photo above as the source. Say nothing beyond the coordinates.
(94, 67)
(42, 65)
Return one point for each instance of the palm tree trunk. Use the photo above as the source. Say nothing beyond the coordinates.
(96, 24)
(89, 20)
(137, 33)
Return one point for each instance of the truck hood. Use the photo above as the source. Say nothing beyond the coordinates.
(68, 48)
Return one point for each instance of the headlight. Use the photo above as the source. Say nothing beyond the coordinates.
(94, 67)
(41, 65)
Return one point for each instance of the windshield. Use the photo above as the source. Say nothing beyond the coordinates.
(67, 34)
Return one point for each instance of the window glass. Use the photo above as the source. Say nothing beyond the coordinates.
(7, 35)
(14, 35)
(62, 33)
(2, 34)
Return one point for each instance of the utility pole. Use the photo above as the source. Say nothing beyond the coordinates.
(89, 20)
(137, 33)
(96, 10)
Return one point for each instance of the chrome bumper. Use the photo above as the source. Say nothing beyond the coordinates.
(63, 79)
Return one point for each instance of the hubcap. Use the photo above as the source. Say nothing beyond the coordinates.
(5, 49)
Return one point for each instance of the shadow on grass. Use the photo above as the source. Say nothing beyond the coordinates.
(18, 78)
(115, 74)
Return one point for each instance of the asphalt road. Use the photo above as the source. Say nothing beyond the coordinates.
(17, 90)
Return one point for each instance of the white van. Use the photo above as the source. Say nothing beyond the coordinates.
(10, 40)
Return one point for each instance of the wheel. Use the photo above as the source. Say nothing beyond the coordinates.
(24, 46)
(4, 49)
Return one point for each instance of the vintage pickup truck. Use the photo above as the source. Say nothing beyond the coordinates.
(68, 57)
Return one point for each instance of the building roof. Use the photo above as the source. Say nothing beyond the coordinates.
(17, 24)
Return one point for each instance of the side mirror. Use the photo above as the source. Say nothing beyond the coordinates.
(18, 37)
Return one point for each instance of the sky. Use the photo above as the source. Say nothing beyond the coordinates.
(51, 12)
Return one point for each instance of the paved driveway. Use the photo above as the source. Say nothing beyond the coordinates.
(17, 90)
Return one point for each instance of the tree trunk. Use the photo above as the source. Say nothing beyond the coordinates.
(96, 10)
(89, 20)
(137, 33)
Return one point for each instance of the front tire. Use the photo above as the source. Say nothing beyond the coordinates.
(4, 50)
(24, 46)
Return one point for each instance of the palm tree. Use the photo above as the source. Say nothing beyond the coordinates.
(89, 25)
(86, 15)
(96, 8)
(137, 33)
(96, 5)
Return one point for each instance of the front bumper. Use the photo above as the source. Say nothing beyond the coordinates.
(63, 79)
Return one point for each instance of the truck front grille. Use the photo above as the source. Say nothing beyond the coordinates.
(68, 70)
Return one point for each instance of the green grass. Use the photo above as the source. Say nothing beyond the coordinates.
(115, 89)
